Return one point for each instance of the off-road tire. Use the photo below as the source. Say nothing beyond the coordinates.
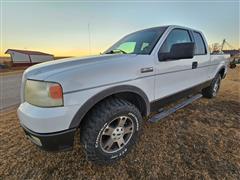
(95, 122)
(210, 92)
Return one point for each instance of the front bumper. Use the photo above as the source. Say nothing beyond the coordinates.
(52, 141)
(48, 128)
(46, 120)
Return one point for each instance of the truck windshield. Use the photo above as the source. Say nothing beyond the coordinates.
(140, 42)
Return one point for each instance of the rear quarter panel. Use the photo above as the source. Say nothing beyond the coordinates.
(217, 62)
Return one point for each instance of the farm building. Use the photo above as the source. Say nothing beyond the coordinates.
(24, 57)
(233, 52)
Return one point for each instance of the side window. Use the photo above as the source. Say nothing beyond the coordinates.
(199, 43)
(175, 36)
(128, 47)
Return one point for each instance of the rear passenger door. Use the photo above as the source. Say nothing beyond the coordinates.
(173, 76)
(201, 57)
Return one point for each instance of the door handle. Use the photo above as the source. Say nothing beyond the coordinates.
(194, 65)
(147, 69)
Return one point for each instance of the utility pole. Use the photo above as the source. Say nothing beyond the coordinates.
(89, 39)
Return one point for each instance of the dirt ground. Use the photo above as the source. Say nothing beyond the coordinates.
(201, 141)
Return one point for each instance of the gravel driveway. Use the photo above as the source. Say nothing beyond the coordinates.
(10, 90)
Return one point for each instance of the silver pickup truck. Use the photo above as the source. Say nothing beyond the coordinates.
(107, 96)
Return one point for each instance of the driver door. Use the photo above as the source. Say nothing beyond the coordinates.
(173, 76)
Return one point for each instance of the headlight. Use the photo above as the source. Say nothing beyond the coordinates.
(44, 94)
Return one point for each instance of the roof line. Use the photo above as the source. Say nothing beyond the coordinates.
(28, 52)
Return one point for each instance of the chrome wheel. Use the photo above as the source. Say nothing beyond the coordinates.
(117, 134)
(216, 87)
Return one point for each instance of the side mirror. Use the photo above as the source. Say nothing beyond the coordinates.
(179, 51)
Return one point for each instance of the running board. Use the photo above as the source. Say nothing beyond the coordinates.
(164, 113)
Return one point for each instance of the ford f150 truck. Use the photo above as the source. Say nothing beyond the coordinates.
(107, 96)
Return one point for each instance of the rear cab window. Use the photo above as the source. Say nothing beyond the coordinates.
(200, 48)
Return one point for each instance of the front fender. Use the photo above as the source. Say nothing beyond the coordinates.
(104, 94)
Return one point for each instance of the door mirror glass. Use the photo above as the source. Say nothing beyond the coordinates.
(178, 51)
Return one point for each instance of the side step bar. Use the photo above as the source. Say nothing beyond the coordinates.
(164, 113)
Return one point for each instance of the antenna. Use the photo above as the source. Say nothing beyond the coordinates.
(89, 39)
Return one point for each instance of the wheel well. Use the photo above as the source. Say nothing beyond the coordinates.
(131, 97)
(130, 93)
(135, 99)
(221, 72)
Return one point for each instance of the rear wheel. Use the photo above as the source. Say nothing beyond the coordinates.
(110, 130)
(213, 89)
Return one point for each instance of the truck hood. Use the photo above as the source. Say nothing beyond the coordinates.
(44, 70)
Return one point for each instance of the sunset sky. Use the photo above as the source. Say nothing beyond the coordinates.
(61, 27)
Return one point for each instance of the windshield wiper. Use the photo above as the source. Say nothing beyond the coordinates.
(116, 51)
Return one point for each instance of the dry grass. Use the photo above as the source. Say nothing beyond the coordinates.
(200, 141)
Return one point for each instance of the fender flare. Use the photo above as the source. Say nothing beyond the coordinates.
(104, 94)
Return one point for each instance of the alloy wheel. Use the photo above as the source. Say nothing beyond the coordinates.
(117, 134)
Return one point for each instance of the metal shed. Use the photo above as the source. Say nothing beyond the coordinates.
(26, 57)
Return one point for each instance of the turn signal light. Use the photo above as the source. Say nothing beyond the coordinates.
(55, 91)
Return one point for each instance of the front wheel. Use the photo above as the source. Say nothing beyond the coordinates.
(213, 89)
(110, 130)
